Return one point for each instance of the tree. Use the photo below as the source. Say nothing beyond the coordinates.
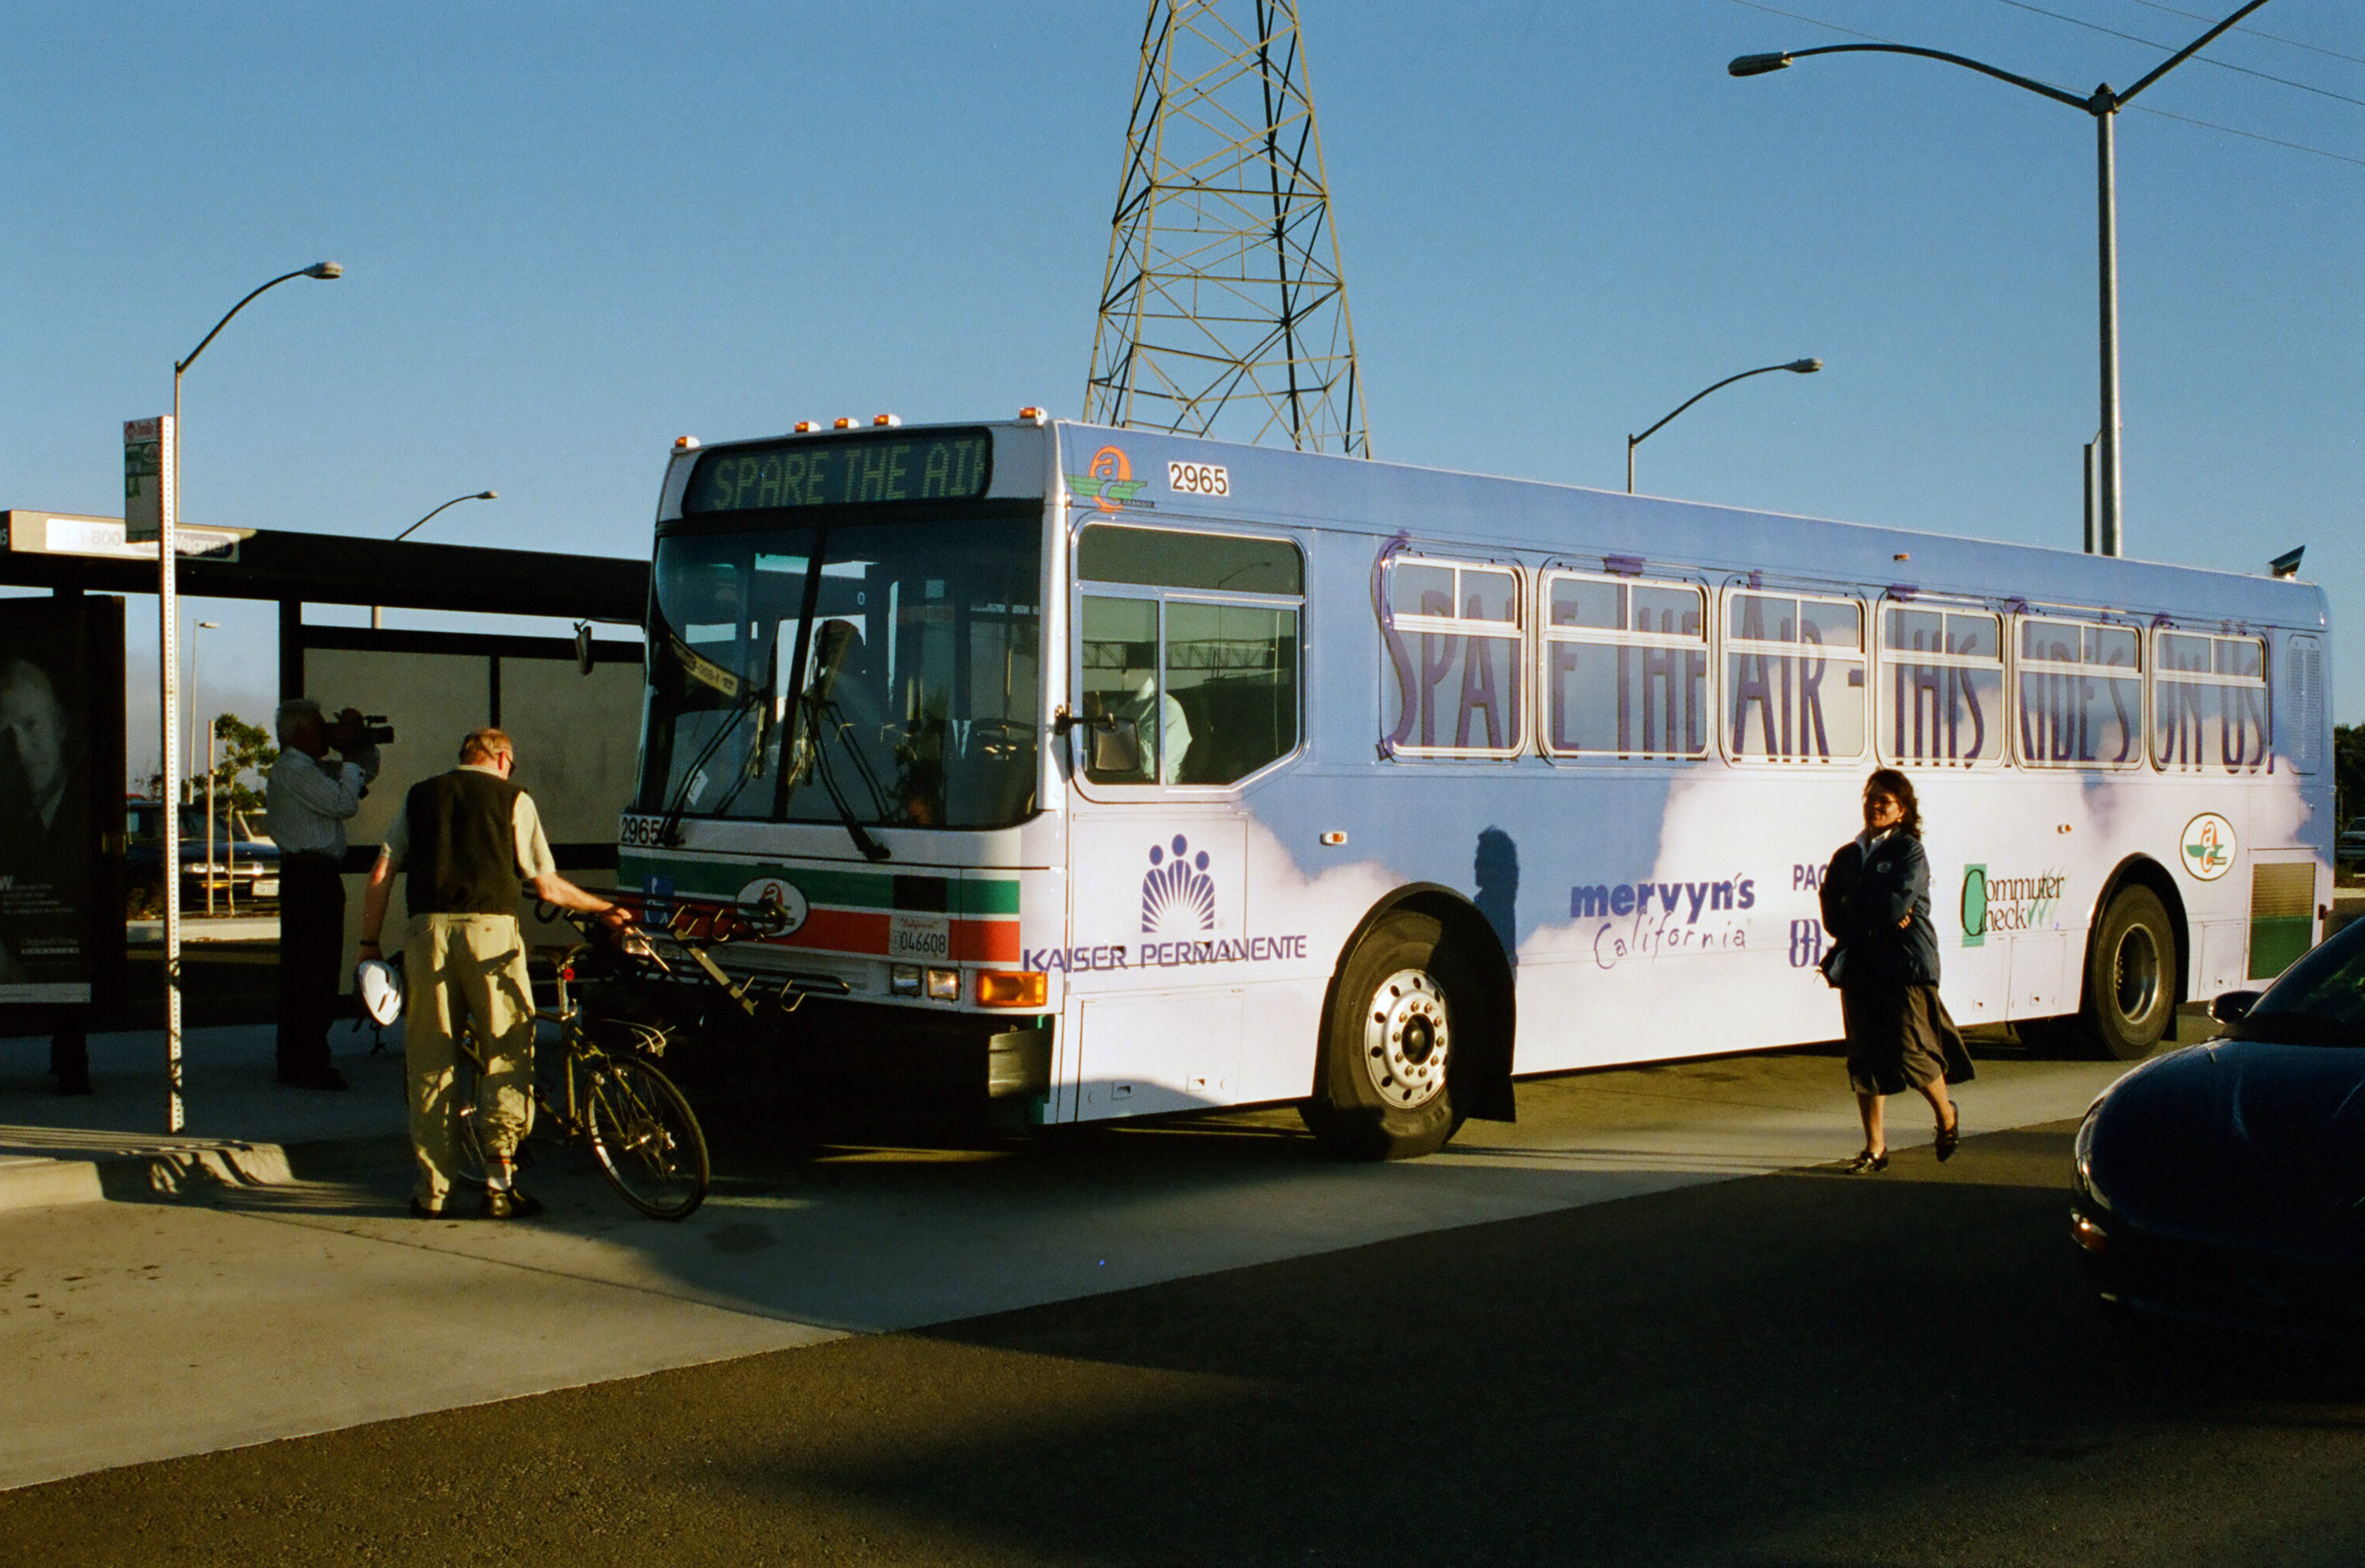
(240, 749)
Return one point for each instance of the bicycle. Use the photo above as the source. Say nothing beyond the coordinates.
(641, 1130)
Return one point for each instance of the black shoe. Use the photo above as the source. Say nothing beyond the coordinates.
(317, 1078)
(1866, 1162)
(508, 1203)
(420, 1211)
(1950, 1137)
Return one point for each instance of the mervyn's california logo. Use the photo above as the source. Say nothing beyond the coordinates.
(1110, 483)
(2207, 847)
(1178, 897)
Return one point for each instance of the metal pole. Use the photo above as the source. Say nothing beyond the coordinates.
(2108, 531)
(1631, 444)
(2088, 474)
(209, 805)
(168, 644)
(168, 611)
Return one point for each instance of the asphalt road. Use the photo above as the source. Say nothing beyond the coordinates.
(1803, 1370)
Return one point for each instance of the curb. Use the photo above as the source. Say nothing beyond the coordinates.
(189, 1171)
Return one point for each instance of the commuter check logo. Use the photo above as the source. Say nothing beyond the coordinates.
(1110, 483)
(1178, 897)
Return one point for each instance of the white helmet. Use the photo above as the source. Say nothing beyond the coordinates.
(378, 984)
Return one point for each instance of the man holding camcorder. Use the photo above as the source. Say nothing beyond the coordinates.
(309, 799)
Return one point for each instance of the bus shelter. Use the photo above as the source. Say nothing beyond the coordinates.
(573, 703)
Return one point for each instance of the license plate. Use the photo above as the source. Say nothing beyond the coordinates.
(266, 887)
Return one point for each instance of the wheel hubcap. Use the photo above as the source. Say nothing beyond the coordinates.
(1406, 1039)
(2135, 970)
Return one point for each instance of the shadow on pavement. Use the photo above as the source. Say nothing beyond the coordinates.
(1804, 1371)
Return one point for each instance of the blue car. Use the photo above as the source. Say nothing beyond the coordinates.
(2225, 1183)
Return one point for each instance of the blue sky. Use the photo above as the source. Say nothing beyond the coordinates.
(574, 232)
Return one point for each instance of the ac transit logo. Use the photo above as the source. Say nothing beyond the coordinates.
(2208, 846)
(1110, 482)
(1178, 897)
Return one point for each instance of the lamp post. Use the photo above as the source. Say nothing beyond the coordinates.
(196, 705)
(377, 613)
(168, 639)
(2104, 104)
(1796, 367)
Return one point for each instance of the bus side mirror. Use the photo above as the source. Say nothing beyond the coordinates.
(582, 647)
(1116, 746)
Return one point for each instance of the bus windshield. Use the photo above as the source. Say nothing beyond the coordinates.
(882, 673)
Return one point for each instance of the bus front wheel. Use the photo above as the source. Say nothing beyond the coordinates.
(2131, 972)
(1381, 1092)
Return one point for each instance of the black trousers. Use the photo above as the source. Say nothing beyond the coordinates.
(312, 960)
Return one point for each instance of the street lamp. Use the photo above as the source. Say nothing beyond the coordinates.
(194, 703)
(377, 613)
(1796, 367)
(2103, 105)
(168, 639)
(195, 707)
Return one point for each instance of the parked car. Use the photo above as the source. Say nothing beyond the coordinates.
(2348, 844)
(2225, 1183)
(245, 869)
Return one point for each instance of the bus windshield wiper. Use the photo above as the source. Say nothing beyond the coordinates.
(670, 830)
(818, 712)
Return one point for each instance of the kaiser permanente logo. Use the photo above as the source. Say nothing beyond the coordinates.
(1110, 482)
(2006, 904)
(1178, 897)
(1178, 917)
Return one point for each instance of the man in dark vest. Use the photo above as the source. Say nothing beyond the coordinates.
(471, 846)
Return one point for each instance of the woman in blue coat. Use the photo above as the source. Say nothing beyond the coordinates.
(1876, 898)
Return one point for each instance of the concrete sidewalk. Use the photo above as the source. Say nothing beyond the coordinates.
(241, 1124)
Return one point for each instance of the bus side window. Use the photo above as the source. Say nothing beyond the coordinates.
(1625, 668)
(2080, 694)
(1451, 635)
(1794, 677)
(2209, 703)
(1940, 699)
(1201, 653)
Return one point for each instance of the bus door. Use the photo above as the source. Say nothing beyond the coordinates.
(1185, 682)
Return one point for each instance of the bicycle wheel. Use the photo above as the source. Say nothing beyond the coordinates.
(645, 1138)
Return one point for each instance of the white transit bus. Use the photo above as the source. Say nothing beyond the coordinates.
(1157, 773)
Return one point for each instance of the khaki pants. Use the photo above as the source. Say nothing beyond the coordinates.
(456, 969)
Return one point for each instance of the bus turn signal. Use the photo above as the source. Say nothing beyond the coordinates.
(1012, 988)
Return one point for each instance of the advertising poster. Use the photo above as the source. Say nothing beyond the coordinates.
(61, 799)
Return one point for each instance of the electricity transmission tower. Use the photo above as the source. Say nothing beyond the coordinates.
(1224, 312)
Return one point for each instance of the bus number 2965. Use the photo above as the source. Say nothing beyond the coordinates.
(1198, 479)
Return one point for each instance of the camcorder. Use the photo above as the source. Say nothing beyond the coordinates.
(361, 729)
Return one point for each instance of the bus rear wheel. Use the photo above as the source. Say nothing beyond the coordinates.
(2131, 970)
(1387, 1044)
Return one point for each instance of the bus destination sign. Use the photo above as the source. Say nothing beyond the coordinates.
(851, 470)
